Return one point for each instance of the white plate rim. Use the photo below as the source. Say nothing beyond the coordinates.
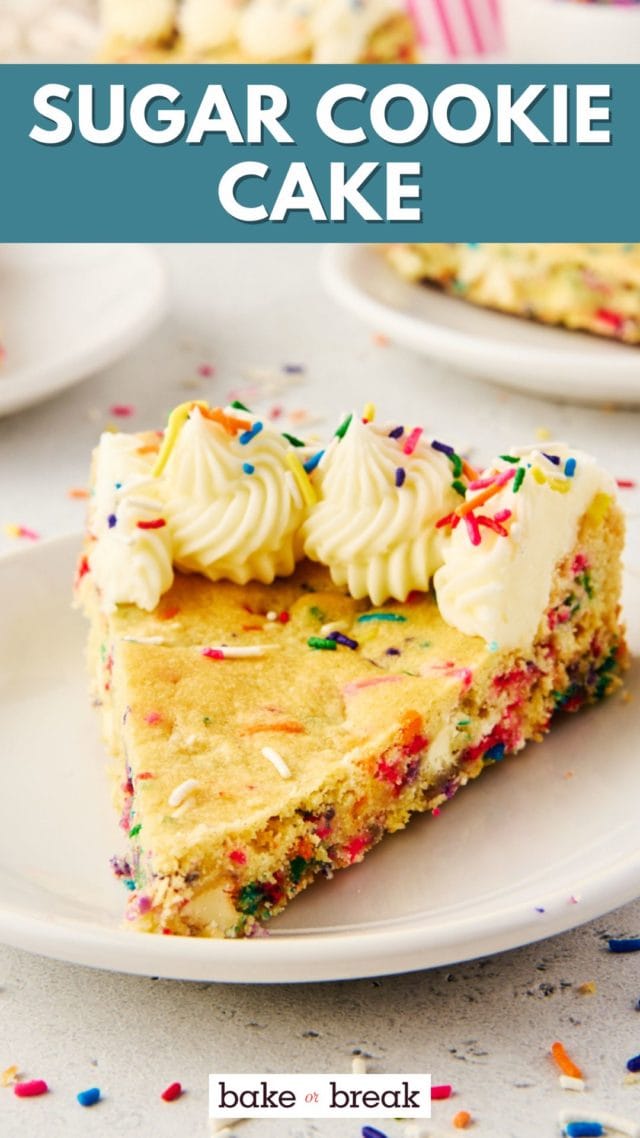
(36, 383)
(401, 946)
(481, 355)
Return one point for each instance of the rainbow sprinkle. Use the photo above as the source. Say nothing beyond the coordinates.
(340, 638)
(442, 1091)
(302, 479)
(580, 1124)
(13, 530)
(564, 1062)
(90, 1097)
(322, 643)
(246, 437)
(9, 1076)
(367, 616)
(412, 441)
(627, 944)
(275, 758)
(519, 479)
(444, 448)
(172, 1092)
(239, 652)
(31, 1089)
(312, 462)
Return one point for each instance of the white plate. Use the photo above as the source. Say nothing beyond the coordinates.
(524, 837)
(554, 362)
(68, 310)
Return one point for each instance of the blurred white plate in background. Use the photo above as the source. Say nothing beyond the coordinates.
(68, 310)
(552, 362)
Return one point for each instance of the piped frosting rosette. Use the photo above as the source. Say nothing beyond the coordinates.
(381, 490)
(236, 496)
(131, 556)
(519, 518)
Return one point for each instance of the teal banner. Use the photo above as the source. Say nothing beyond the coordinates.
(319, 153)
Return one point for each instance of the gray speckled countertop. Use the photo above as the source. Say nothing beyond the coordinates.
(486, 1026)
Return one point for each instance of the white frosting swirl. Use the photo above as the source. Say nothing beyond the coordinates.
(500, 588)
(228, 523)
(139, 20)
(377, 537)
(131, 565)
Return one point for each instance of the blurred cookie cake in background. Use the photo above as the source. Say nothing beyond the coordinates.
(258, 31)
(586, 287)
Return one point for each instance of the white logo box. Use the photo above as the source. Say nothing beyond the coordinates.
(320, 1096)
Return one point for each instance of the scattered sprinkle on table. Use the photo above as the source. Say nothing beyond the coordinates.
(77, 493)
(569, 1083)
(359, 1065)
(18, 531)
(442, 1091)
(172, 1092)
(583, 1129)
(461, 1120)
(275, 758)
(9, 1076)
(31, 1089)
(626, 483)
(564, 1062)
(90, 1097)
(589, 988)
(633, 1064)
(122, 410)
(371, 1132)
(624, 944)
(599, 1118)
